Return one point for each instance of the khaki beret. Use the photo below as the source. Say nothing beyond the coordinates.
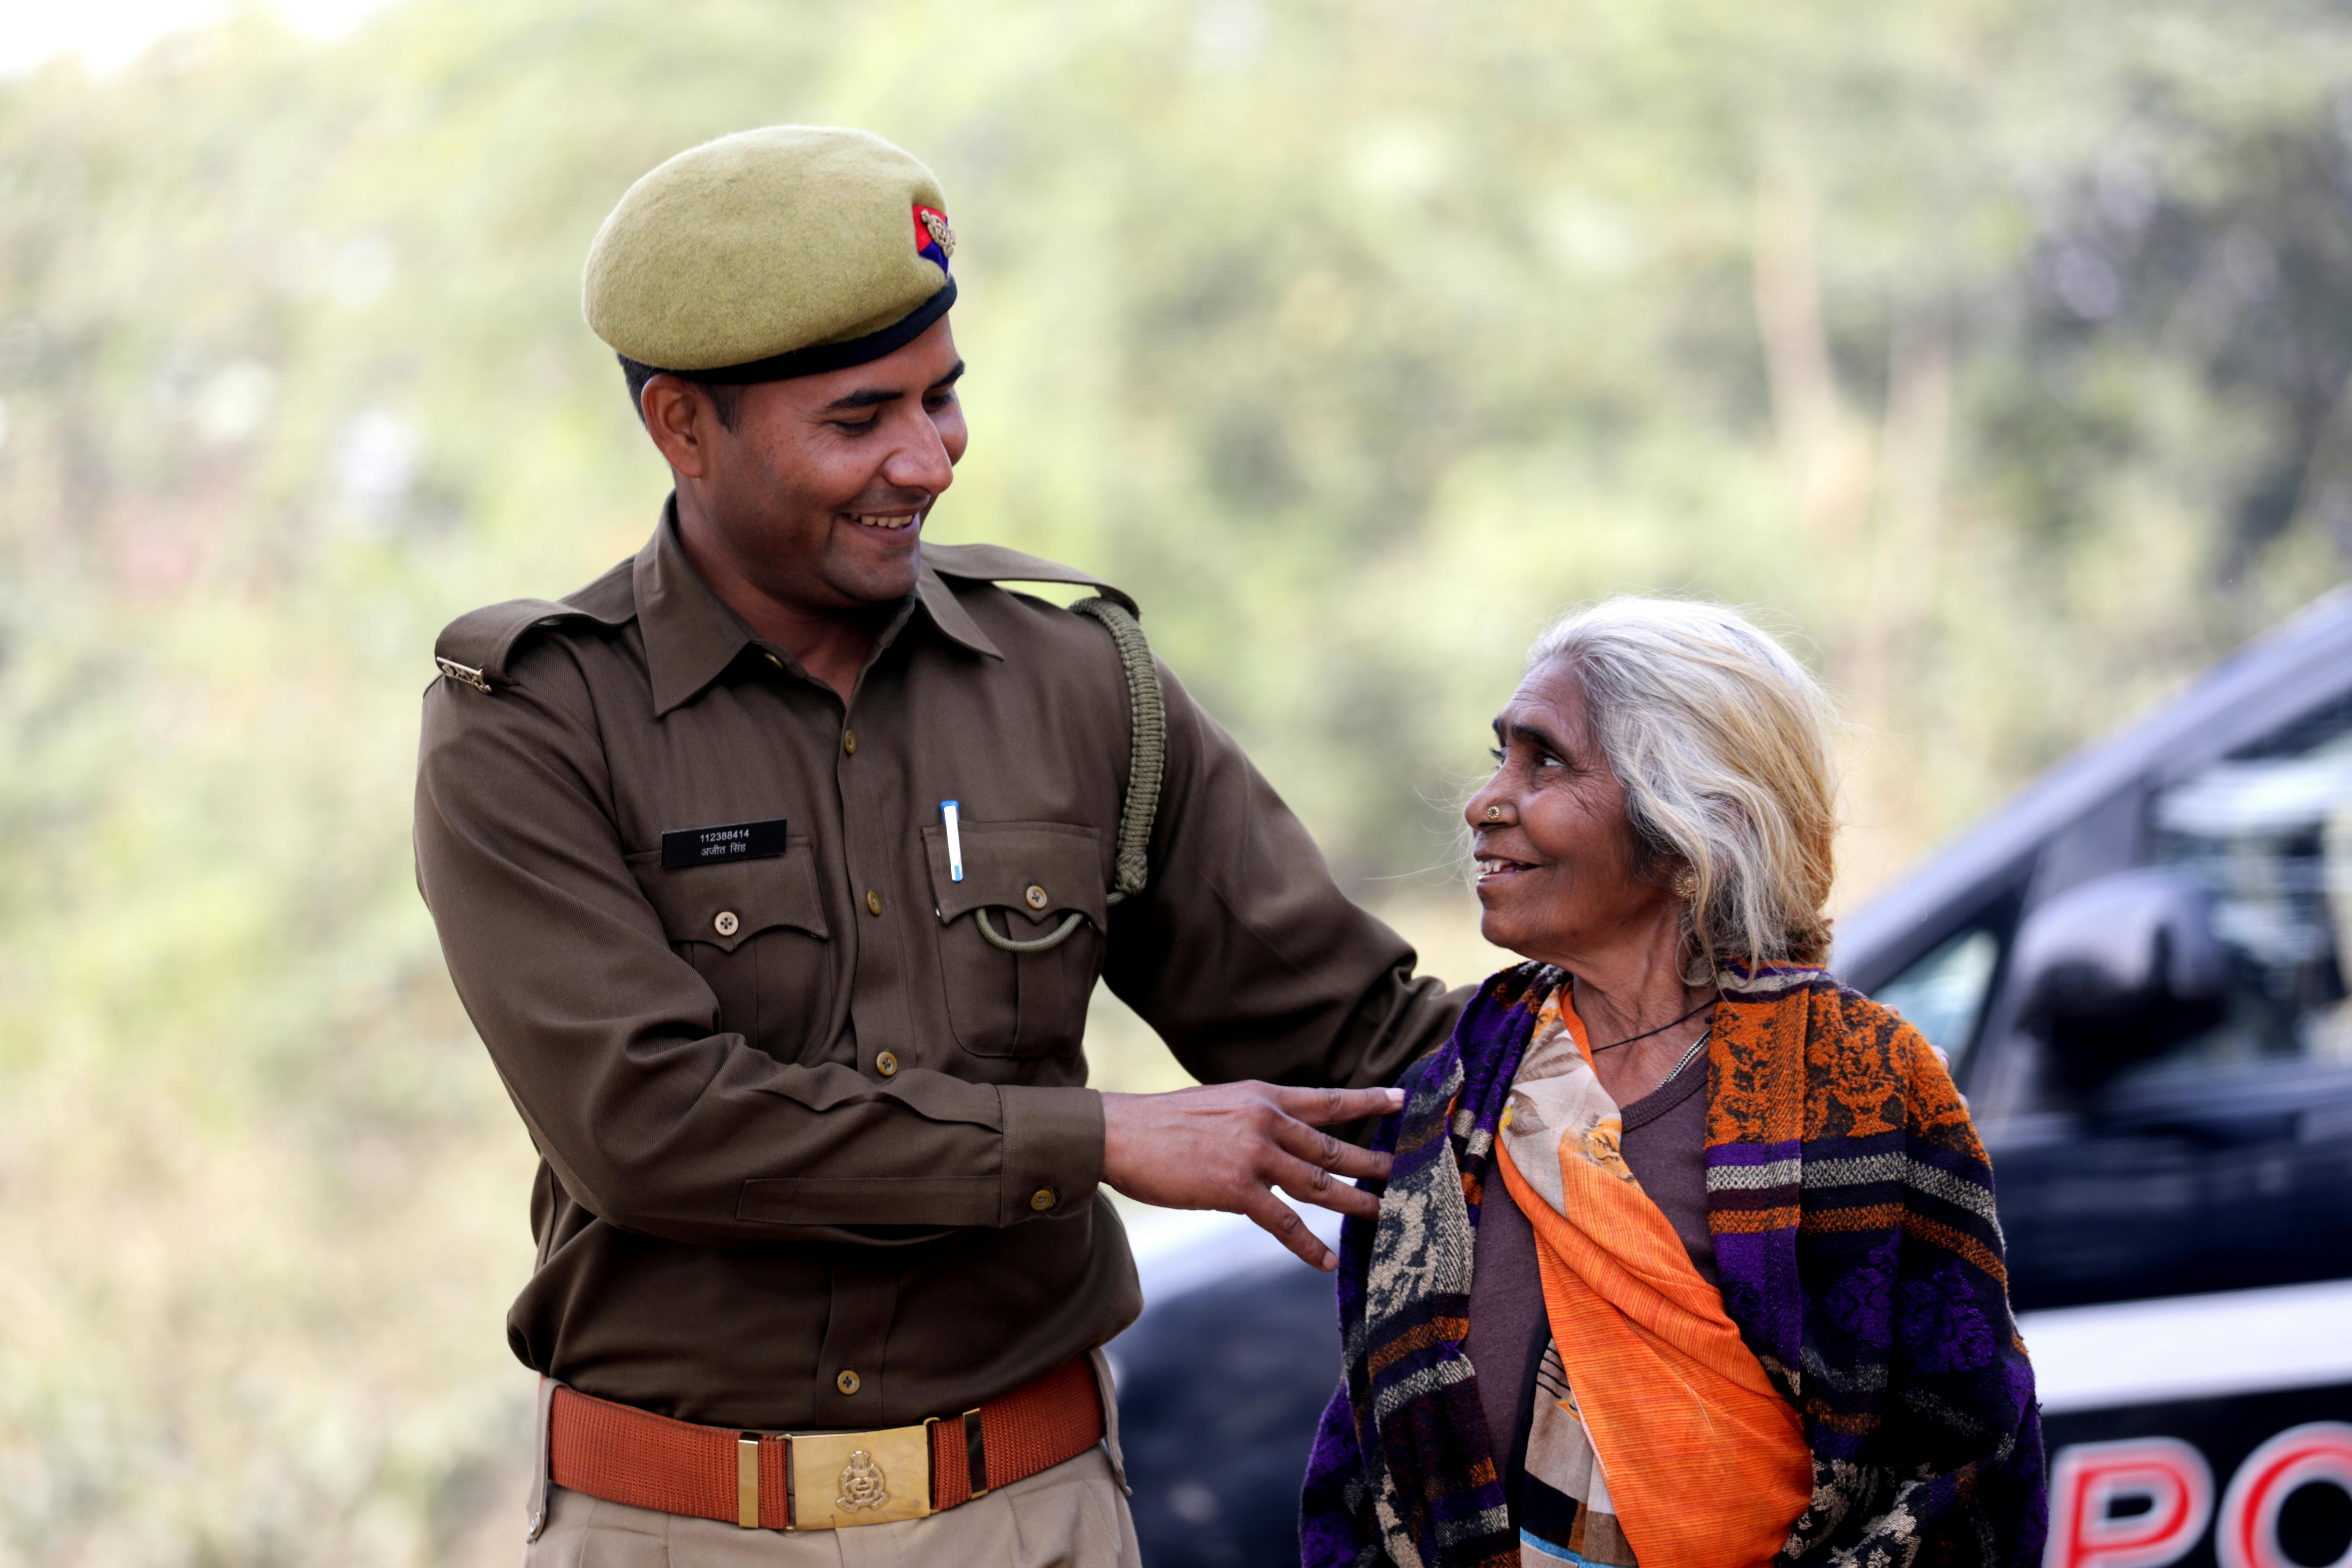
(773, 253)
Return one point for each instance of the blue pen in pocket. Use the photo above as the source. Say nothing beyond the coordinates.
(955, 841)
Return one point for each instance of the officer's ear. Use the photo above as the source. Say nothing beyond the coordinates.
(684, 417)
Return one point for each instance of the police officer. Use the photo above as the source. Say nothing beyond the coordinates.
(776, 867)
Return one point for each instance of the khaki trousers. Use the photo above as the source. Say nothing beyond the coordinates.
(1072, 1516)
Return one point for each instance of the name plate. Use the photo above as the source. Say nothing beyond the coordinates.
(709, 846)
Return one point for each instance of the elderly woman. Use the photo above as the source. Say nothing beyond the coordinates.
(1688, 1255)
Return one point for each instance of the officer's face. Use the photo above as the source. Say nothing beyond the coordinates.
(1561, 873)
(819, 492)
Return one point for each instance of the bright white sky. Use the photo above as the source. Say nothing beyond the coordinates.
(107, 32)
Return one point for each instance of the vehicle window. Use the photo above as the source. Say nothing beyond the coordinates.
(1943, 994)
(2270, 831)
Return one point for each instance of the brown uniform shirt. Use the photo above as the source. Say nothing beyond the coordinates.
(796, 1117)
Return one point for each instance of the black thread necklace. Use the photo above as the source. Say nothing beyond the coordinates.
(1659, 1030)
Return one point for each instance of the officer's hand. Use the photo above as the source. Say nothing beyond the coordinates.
(1227, 1146)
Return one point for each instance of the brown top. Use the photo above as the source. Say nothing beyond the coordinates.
(795, 1119)
(1507, 1328)
(1664, 1144)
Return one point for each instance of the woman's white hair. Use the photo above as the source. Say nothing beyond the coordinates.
(1722, 742)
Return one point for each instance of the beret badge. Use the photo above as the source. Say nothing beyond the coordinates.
(934, 240)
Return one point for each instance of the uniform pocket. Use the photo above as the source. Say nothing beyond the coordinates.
(1026, 879)
(755, 930)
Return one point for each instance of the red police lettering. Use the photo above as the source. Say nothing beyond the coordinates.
(2317, 1451)
(2089, 1480)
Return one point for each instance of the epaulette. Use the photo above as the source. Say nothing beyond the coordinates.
(994, 563)
(475, 648)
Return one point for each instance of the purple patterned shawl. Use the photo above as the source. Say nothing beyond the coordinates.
(1852, 1214)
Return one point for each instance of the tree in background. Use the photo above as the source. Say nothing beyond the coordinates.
(1998, 352)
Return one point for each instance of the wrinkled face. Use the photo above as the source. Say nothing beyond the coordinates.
(1560, 874)
(819, 492)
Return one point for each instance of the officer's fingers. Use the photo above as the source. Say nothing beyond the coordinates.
(1314, 1184)
(1328, 1107)
(1322, 1149)
(1279, 1220)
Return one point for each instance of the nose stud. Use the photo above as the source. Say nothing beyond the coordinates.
(1493, 813)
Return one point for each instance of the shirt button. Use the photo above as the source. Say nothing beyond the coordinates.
(1037, 896)
(1041, 1199)
(846, 1382)
(850, 742)
(873, 903)
(772, 659)
(886, 1064)
(726, 924)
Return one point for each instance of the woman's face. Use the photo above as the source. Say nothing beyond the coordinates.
(1559, 872)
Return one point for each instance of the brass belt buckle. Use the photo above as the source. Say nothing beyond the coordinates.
(841, 1478)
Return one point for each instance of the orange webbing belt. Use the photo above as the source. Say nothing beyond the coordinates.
(629, 1455)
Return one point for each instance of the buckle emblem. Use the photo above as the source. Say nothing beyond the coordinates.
(863, 1484)
(860, 1477)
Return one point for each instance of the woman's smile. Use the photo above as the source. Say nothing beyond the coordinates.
(1494, 870)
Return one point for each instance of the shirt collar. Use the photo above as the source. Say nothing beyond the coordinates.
(691, 636)
(948, 614)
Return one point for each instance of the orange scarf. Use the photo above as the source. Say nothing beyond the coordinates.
(1705, 1465)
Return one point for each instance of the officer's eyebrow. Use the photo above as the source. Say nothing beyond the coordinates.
(873, 397)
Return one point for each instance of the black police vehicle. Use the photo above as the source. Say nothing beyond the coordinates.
(2137, 970)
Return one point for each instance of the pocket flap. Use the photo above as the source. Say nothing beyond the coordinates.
(728, 903)
(1039, 870)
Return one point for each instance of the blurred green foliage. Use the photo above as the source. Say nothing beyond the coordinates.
(1997, 351)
